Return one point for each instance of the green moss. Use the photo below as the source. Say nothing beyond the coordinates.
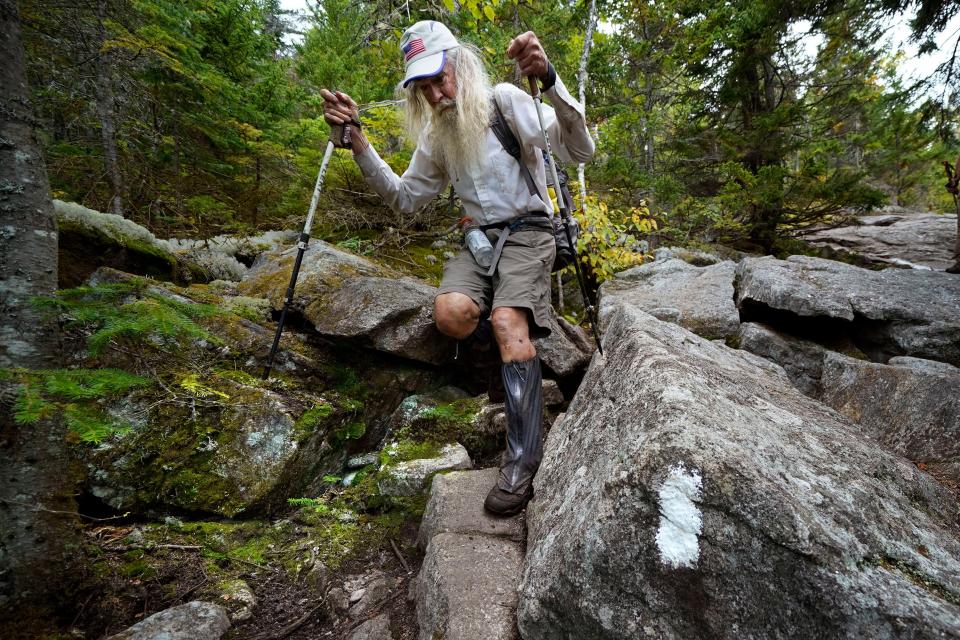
(405, 450)
(240, 377)
(137, 565)
(312, 419)
(459, 412)
(353, 430)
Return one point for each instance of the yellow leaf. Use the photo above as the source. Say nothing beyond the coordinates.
(488, 11)
(449, 5)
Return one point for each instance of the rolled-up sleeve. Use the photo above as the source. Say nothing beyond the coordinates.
(565, 121)
(422, 180)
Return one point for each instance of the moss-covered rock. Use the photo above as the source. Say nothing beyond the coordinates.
(89, 240)
(347, 297)
(216, 445)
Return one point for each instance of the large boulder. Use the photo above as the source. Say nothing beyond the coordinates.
(910, 405)
(913, 410)
(891, 312)
(689, 492)
(346, 296)
(919, 240)
(220, 446)
(697, 298)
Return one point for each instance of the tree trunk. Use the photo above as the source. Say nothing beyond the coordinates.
(35, 542)
(105, 111)
(582, 83)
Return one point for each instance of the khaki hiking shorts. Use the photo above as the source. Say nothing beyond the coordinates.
(522, 278)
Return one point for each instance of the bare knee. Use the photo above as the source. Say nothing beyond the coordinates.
(456, 314)
(512, 331)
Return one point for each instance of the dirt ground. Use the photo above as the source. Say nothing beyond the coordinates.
(135, 581)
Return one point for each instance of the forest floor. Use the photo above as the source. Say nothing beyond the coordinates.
(179, 563)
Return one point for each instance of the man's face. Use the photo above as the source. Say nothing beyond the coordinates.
(440, 91)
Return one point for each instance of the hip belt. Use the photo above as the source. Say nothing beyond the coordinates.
(530, 222)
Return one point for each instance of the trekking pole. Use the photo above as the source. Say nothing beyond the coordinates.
(301, 249)
(565, 215)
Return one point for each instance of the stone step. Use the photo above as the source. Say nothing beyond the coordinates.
(456, 506)
(467, 586)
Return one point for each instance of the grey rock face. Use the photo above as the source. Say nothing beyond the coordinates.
(467, 588)
(567, 349)
(896, 311)
(689, 493)
(923, 365)
(697, 298)
(918, 240)
(192, 621)
(915, 413)
(801, 359)
(413, 477)
(456, 506)
(376, 629)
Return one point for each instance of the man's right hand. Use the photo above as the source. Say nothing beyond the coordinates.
(339, 110)
(338, 107)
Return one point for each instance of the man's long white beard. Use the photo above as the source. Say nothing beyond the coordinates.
(458, 135)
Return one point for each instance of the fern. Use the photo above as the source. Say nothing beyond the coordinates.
(84, 384)
(91, 425)
(30, 407)
(130, 311)
(74, 394)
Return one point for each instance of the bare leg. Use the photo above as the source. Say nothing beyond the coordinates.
(512, 334)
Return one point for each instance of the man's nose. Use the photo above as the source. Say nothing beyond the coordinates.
(432, 93)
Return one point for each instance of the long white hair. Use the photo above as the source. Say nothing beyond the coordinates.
(456, 134)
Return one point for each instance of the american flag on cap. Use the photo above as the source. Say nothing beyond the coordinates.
(413, 48)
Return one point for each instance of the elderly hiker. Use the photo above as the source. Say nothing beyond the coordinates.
(449, 108)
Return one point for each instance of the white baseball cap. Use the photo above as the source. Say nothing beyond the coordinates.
(424, 47)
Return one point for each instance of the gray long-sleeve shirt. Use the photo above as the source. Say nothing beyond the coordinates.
(498, 192)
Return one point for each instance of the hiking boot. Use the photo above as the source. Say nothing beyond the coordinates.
(954, 269)
(507, 503)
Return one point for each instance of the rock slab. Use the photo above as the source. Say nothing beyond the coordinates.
(913, 411)
(918, 240)
(467, 588)
(697, 298)
(192, 621)
(895, 312)
(689, 492)
(456, 506)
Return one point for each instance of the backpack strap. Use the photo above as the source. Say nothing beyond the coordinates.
(511, 145)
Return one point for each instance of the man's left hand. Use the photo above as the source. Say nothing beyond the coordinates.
(529, 54)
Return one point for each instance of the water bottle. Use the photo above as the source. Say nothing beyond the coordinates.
(478, 243)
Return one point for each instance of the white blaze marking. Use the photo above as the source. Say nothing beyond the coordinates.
(680, 520)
